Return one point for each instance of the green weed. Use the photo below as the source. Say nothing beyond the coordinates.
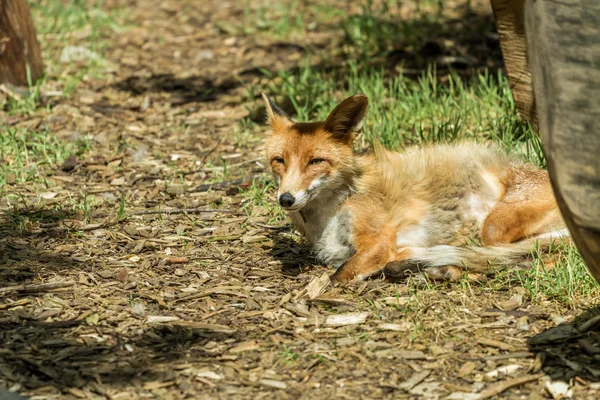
(28, 155)
(287, 355)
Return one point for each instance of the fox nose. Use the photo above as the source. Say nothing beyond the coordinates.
(286, 199)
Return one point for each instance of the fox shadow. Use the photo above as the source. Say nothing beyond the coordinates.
(294, 255)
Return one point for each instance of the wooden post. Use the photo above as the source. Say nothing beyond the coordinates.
(564, 55)
(20, 53)
(510, 24)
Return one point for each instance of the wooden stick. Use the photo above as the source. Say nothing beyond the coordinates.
(518, 354)
(37, 287)
(185, 211)
(504, 385)
(240, 164)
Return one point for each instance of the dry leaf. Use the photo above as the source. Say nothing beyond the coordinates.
(92, 319)
(346, 319)
(467, 368)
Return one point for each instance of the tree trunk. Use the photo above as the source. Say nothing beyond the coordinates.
(564, 53)
(510, 24)
(20, 56)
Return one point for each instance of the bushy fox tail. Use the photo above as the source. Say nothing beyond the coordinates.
(473, 258)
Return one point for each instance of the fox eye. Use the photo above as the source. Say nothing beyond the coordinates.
(278, 160)
(316, 161)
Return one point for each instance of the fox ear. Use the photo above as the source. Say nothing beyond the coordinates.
(276, 117)
(347, 117)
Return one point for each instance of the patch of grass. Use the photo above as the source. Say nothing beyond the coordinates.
(122, 213)
(80, 19)
(62, 25)
(405, 111)
(565, 280)
(25, 103)
(286, 19)
(28, 155)
(287, 355)
(259, 200)
(85, 204)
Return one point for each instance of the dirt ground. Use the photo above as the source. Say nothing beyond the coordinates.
(216, 297)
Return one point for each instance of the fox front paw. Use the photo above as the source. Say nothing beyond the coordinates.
(342, 275)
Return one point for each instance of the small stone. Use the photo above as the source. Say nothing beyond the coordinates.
(69, 164)
(77, 53)
(558, 319)
(180, 272)
(138, 307)
(205, 55)
(118, 182)
(559, 389)
(175, 189)
(122, 275)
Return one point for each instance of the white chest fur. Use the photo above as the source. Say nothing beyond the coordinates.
(328, 230)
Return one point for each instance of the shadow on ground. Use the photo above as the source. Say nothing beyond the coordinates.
(38, 351)
(463, 45)
(570, 350)
(295, 258)
(38, 354)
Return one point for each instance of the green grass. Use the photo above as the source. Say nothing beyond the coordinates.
(567, 282)
(28, 156)
(259, 200)
(60, 21)
(404, 111)
(62, 24)
(287, 355)
(290, 19)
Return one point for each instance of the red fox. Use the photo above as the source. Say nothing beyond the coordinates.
(416, 210)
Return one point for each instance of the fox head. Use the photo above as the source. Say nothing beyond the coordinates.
(311, 158)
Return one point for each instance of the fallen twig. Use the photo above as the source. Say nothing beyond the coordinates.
(37, 287)
(496, 343)
(414, 380)
(240, 164)
(504, 385)
(517, 354)
(241, 183)
(185, 211)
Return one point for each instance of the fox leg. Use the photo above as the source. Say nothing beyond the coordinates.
(364, 263)
(527, 209)
(373, 239)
